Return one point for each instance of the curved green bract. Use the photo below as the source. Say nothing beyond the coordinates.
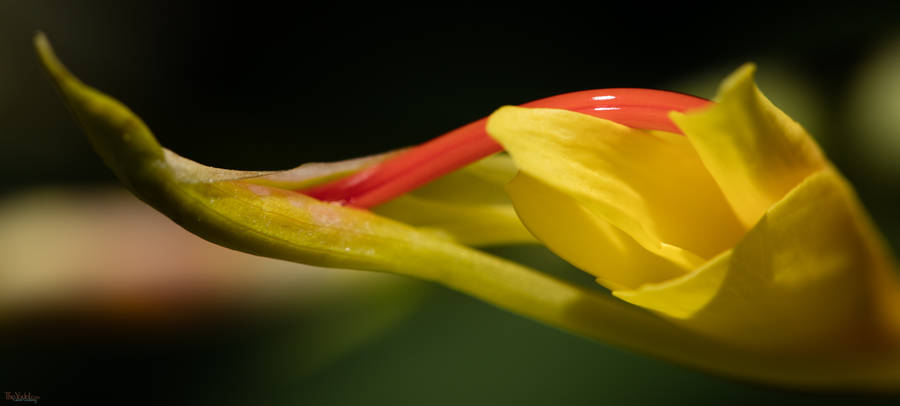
(250, 212)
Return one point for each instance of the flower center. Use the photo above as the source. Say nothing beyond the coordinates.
(638, 108)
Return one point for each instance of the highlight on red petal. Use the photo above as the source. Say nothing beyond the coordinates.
(638, 108)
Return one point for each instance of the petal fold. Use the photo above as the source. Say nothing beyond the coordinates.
(650, 185)
(585, 239)
(754, 151)
(812, 276)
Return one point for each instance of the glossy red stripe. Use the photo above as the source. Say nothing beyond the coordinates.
(637, 108)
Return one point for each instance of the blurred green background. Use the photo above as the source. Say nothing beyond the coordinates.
(261, 85)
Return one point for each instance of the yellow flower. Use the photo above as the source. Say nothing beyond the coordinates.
(739, 230)
(751, 252)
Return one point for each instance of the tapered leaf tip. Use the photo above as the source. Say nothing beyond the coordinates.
(48, 57)
(117, 134)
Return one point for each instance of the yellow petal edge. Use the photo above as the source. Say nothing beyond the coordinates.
(243, 211)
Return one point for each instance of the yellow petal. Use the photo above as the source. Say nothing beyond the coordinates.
(586, 240)
(651, 185)
(468, 206)
(812, 276)
(754, 151)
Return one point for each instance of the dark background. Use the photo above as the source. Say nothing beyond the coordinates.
(259, 85)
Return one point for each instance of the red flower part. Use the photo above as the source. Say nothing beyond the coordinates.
(638, 108)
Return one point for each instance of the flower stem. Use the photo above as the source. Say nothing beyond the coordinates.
(638, 108)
